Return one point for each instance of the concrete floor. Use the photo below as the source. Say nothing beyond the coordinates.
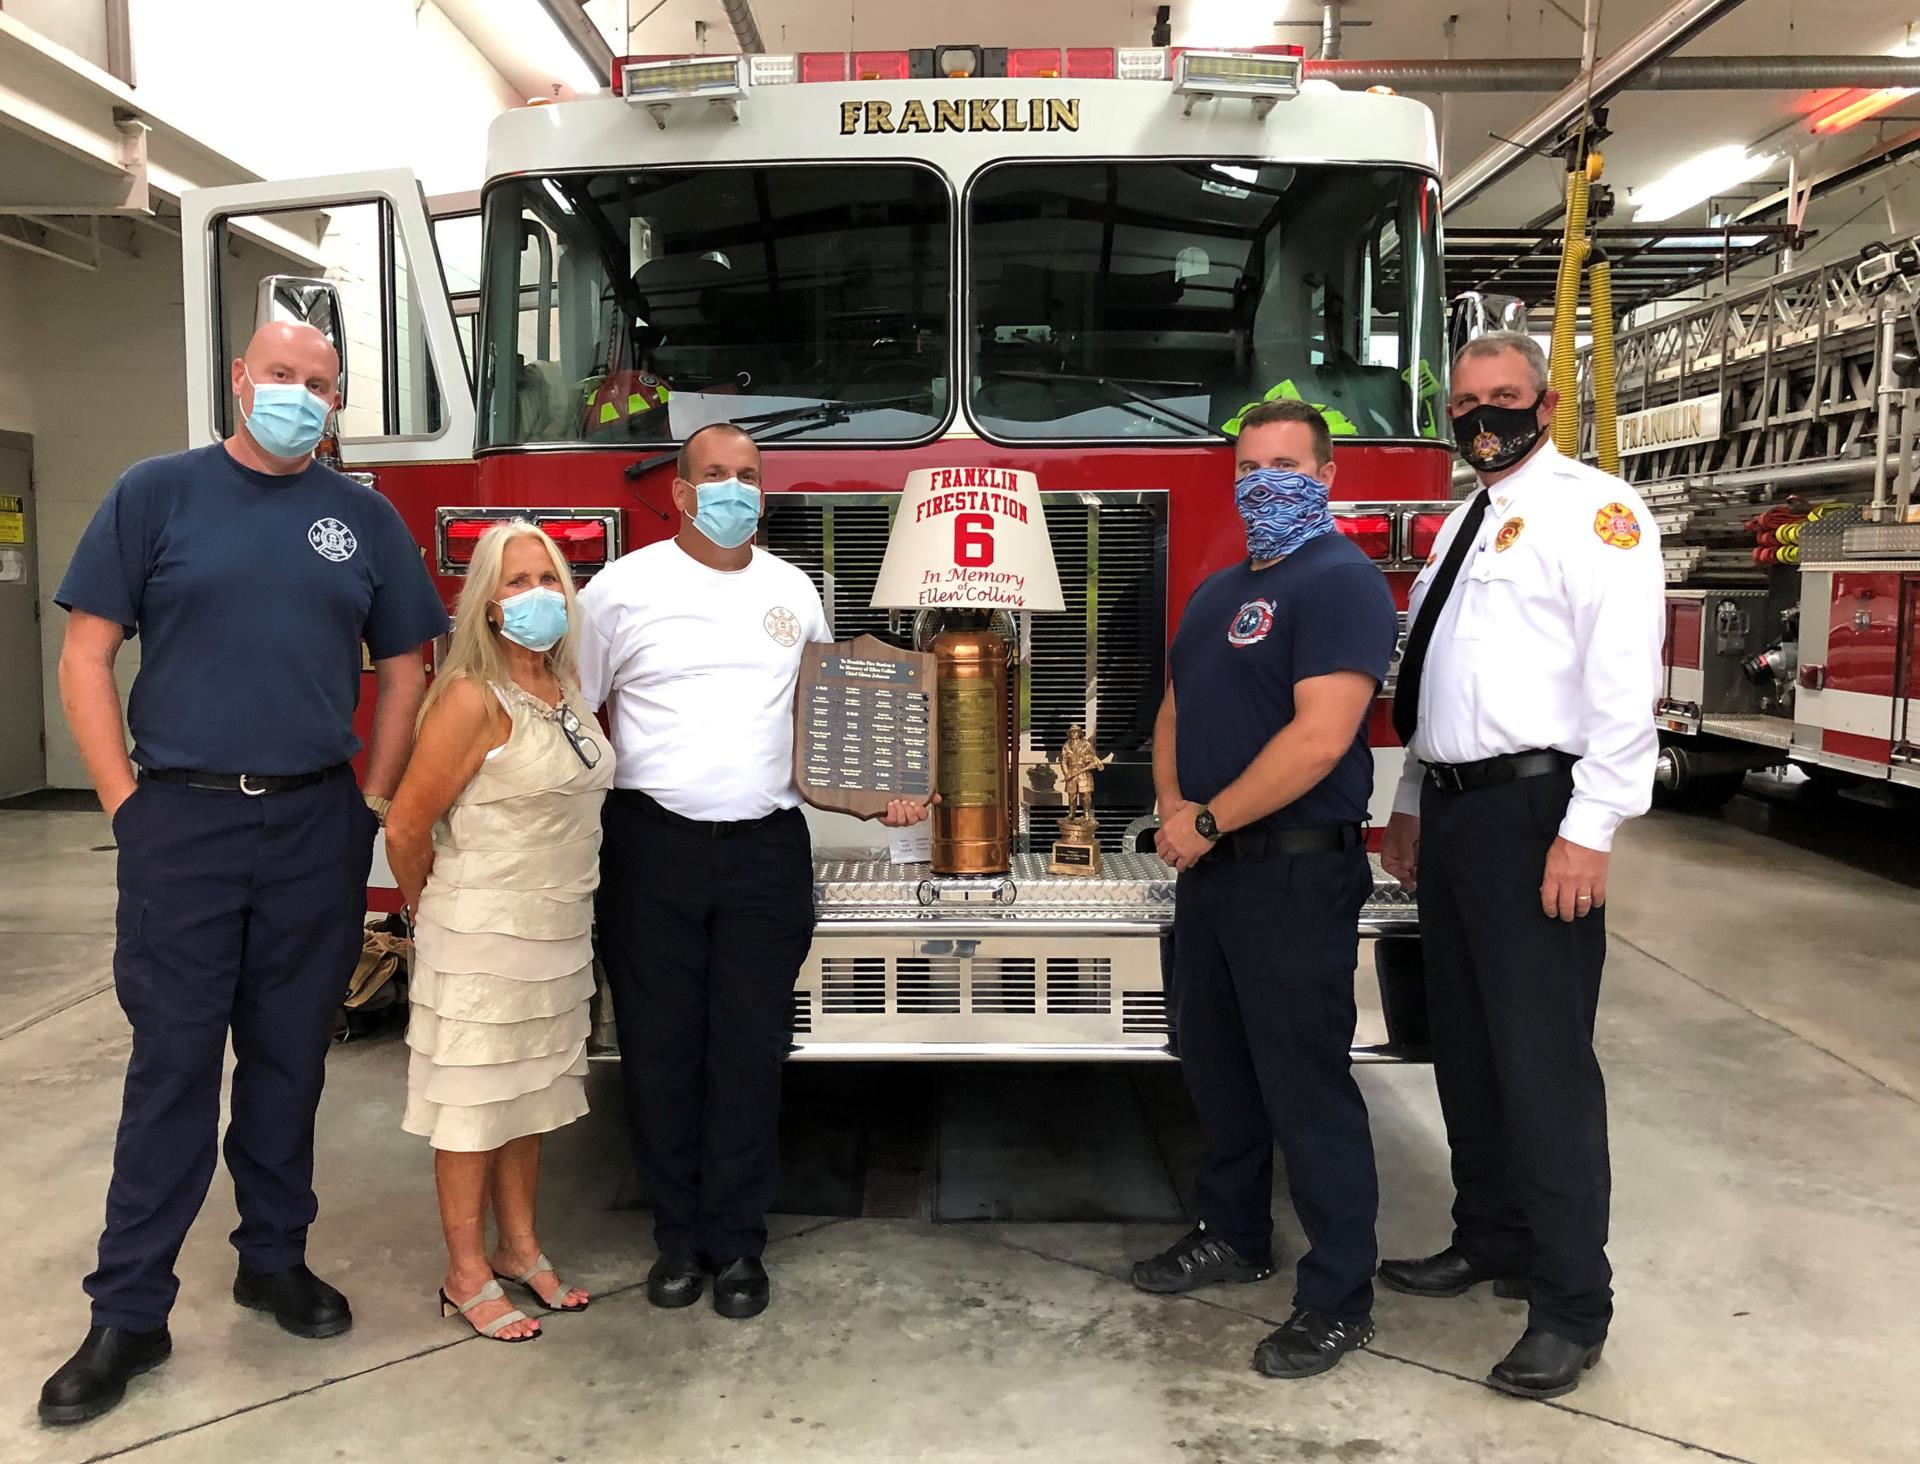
(1761, 1032)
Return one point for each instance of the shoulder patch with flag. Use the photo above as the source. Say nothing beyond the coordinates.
(1616, 525)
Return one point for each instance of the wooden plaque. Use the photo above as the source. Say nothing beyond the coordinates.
(863, 726)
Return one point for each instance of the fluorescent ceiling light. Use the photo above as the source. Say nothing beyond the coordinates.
(1698, 179)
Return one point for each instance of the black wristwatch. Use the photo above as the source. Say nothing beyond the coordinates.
(1205, 826)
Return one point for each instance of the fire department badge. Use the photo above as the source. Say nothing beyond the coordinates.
(1486, 447)
(332, 539)
(1616, 525)
(1509, 531)
(1252, 624)
(783, 625)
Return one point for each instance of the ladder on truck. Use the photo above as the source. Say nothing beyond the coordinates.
(1796, 365)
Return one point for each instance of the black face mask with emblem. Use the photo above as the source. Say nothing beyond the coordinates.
(1491, 438)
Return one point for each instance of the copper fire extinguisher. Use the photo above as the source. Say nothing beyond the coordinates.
(973, 821)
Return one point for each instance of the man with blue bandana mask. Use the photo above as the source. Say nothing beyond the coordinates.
(1263, 773)
(253, 576)
(693, 647)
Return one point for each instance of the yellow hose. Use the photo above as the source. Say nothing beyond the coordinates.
(1606, 402)
(1562, 370)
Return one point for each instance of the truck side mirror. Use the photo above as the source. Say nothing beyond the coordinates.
(300, 300)
(1474, 313)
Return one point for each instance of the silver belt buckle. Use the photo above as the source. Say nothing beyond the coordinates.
(250, 792)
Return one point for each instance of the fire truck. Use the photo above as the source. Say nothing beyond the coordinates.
(1084, 263)
(1771, 430)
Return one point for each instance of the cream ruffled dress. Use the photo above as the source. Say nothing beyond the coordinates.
(503, 956)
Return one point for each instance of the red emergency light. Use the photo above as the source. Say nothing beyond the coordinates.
(879, 65)
(823, 65)
(1033, 61)
(1091, 62)
(585, 540)
(1423, 532)
(1372, 532)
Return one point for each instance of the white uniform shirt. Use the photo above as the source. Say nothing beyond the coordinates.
(1551, 638)
(697, 667)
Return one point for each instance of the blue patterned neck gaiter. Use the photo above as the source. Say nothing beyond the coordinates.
(1282, 511)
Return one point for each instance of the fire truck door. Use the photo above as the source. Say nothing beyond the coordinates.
(353, 255)
(1906, 674)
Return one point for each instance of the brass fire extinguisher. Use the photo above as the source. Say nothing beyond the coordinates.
(973, 821)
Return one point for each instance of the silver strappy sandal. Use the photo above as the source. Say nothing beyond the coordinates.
(490, 1330)
(560, 1288)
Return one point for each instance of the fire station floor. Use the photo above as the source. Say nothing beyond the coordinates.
(1761, 1033)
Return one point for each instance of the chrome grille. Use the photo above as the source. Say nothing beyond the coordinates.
(1079, 985)
(1143, 1011)
(927, 985)
(802, 1013)
(1005, 984)
(853, 985)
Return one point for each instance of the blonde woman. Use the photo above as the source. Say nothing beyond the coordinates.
(494, 838)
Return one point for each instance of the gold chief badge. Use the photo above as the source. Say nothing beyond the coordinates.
(1509, 531)
(1616, 525)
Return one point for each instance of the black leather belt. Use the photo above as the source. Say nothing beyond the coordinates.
(1489, 772)
(1265, 843)
(651, 806)
(252, 784)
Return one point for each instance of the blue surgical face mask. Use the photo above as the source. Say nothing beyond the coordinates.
(729, 512)
(535, 618)
(1282, 511)
(287, 420)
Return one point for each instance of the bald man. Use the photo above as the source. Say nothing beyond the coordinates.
(253, 576)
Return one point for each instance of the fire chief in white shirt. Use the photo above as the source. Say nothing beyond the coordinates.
(706, 902)
(1526, 702)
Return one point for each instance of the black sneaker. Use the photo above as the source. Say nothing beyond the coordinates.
(1196, 1259)
(1310, 1342)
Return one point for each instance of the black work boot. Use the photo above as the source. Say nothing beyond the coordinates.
(1543, 1365)
(1198, 1258)
(1309, 1342)
(1450, 1273)
(298, 1300)
(676, 1279)
(94, 1379)
(741, 1289)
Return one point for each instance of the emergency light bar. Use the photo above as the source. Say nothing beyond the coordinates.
(1265, 79)
(657, 85)
(589, 538)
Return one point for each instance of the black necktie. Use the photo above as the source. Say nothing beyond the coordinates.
(1413, 660)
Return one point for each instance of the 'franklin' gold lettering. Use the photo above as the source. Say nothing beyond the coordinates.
(980, 116)
(879, 117)
(1063, 115)
(849, 118)
(914, 118)
(1010, 115)
(948, 117)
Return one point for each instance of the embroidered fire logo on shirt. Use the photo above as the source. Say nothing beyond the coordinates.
(1616, 525)
(1509, 531)
(332, 539)
(1251, 625)
(783, 625)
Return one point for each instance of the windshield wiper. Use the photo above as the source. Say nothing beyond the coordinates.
(802, 419)
(1124, 394)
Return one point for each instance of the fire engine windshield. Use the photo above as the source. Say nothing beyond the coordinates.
(639, 306)
(1163, 298)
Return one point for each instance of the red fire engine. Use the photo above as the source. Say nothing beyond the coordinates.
(1083, 262)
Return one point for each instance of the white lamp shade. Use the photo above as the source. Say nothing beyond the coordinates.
(972, 538)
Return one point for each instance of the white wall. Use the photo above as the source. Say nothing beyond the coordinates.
(293, 90)
(79, 25)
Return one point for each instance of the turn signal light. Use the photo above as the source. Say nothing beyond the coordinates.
(879, 65)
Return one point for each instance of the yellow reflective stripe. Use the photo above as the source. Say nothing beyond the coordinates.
(608, 413)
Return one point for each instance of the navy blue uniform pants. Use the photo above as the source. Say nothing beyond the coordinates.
(238, 915)
(703, 939)
(1264, 953)
(1511, 995)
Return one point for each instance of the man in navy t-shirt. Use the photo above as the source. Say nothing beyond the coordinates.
(253, 575)
(1263, 773)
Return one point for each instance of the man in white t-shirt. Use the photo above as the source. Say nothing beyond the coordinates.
(692, 645)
